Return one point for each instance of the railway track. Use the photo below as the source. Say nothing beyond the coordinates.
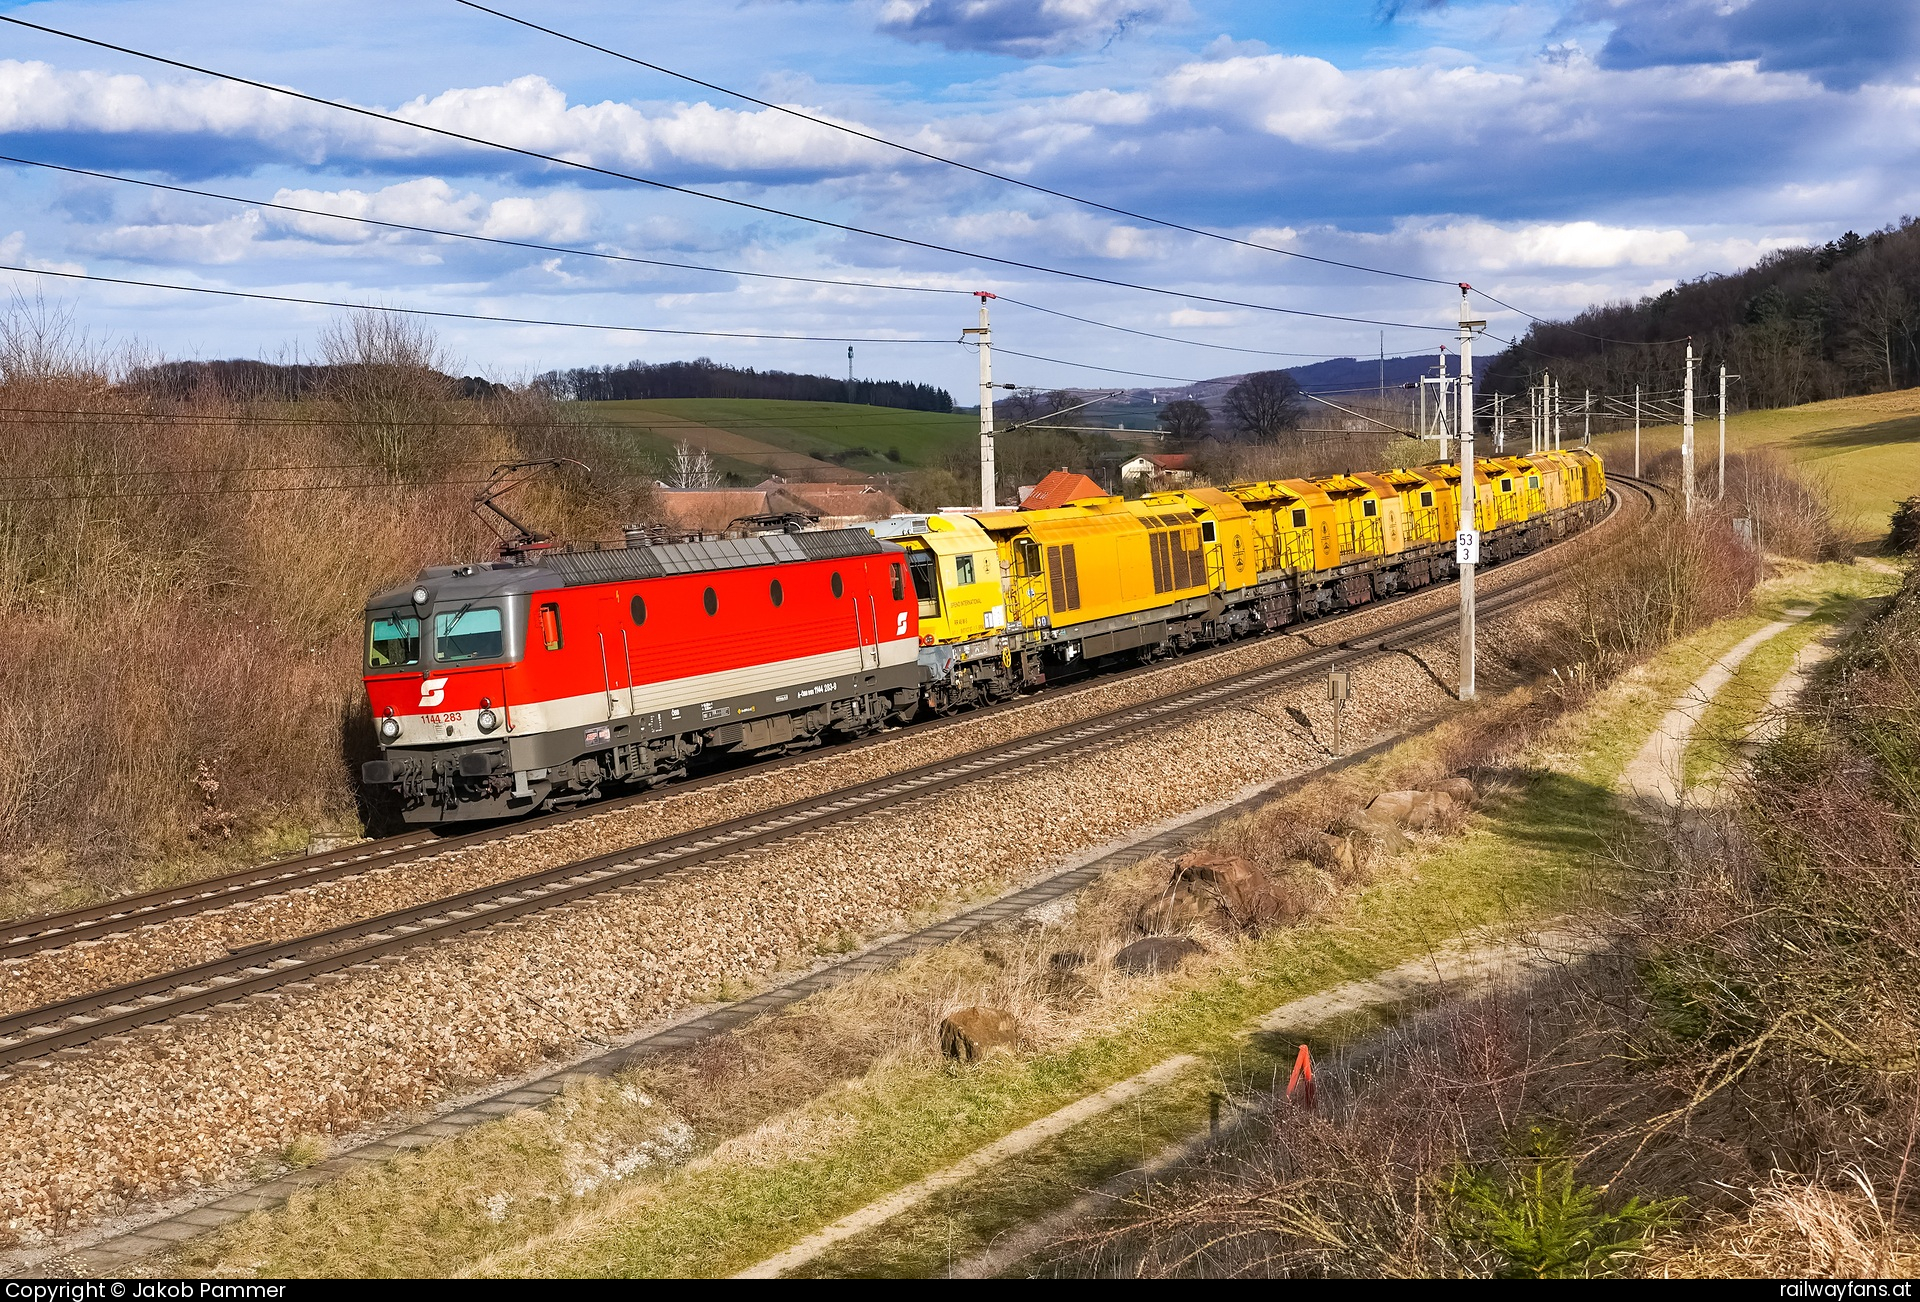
(280, 967)
(22, 937)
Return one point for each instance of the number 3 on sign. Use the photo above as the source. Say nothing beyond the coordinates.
(1466, 547)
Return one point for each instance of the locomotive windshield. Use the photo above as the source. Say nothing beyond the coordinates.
(393, 641)
(921, 564)
(469, 633)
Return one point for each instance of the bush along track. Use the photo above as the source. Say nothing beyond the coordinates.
(1729, 1090)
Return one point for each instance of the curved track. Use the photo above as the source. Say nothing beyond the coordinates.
(272, 964)
(280, 965)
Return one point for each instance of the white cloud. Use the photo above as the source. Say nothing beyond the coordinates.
(559, 215)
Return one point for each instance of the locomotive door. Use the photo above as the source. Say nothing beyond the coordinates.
(616, 654)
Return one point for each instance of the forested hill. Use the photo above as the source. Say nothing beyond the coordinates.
(704, 378)
(1825, 321)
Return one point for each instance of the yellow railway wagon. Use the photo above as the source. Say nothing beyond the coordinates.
(1294, 525)
(1420, 507)
(1097, 577)
(1227, 533)
(1008, 597)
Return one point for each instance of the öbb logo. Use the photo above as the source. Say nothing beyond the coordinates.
(432, 691)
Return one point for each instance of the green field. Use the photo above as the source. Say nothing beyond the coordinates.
(755, 437)
(1866, 451)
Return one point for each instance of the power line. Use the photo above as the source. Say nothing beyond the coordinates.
(954, 162)
(465, 316)
(481, 239)
(1148, 334)
(628, 258)
(665, 186)
(1089, 366)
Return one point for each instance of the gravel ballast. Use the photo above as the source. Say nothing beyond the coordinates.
(195, 1101)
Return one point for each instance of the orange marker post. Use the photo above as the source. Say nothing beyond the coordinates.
(1300, 1084)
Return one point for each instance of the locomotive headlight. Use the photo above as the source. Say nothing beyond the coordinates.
(487, 720)
(389, 729)
(419, 596)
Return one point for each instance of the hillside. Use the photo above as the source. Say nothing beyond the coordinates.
(753, 438)
(1801, 325)
(1865, 451)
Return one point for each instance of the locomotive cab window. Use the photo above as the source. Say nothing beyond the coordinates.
(469, 633)
(1506, 485)
(1299, 517)
(963, 569)
(1533, 481)
(838, 587)
(1207, 533)
(393, 641)
(1426, 499)
(550, 626)
(899, 583)
(1369, 508)
(1029, 552)
(921, 566)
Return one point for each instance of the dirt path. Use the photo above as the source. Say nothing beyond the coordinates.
(1655, 775)
(1450, 972)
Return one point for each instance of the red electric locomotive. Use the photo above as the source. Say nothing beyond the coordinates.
(544, 679)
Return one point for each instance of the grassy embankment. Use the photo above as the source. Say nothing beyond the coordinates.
(1865, 449)
(501, 1199)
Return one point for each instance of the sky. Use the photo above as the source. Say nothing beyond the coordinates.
(1552, 155)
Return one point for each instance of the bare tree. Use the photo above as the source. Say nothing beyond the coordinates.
(389, 375)
(1264, 405)
(1184, 418)
(693, 467)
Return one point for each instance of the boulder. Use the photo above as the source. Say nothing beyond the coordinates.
(1156, 954)
(1207, 887)
(1430, 809)
(1459, 788)
(1382, 837)
(1394, 807)
(1415, 810)
(972, 1033)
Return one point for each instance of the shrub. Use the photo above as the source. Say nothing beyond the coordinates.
(1903, 537)
(1543, 1225)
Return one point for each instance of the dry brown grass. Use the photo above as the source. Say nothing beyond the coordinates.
(179, 680)
(1748, 1048)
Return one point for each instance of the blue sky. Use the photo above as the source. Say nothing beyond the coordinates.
(1553, 153)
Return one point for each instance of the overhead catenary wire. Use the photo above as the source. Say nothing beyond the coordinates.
(668, 187)
(446, 314)
(604, 256)
(989, 173)
(1004, 178)
(532, 245)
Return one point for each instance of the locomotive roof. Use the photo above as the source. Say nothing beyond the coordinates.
(634, 561)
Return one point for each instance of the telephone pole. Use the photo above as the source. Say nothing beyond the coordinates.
(985, 333)
(1586, 418)
(1686, 434)
(1467, 541)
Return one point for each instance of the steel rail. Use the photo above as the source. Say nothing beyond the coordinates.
(228, 981)
(22, 937)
